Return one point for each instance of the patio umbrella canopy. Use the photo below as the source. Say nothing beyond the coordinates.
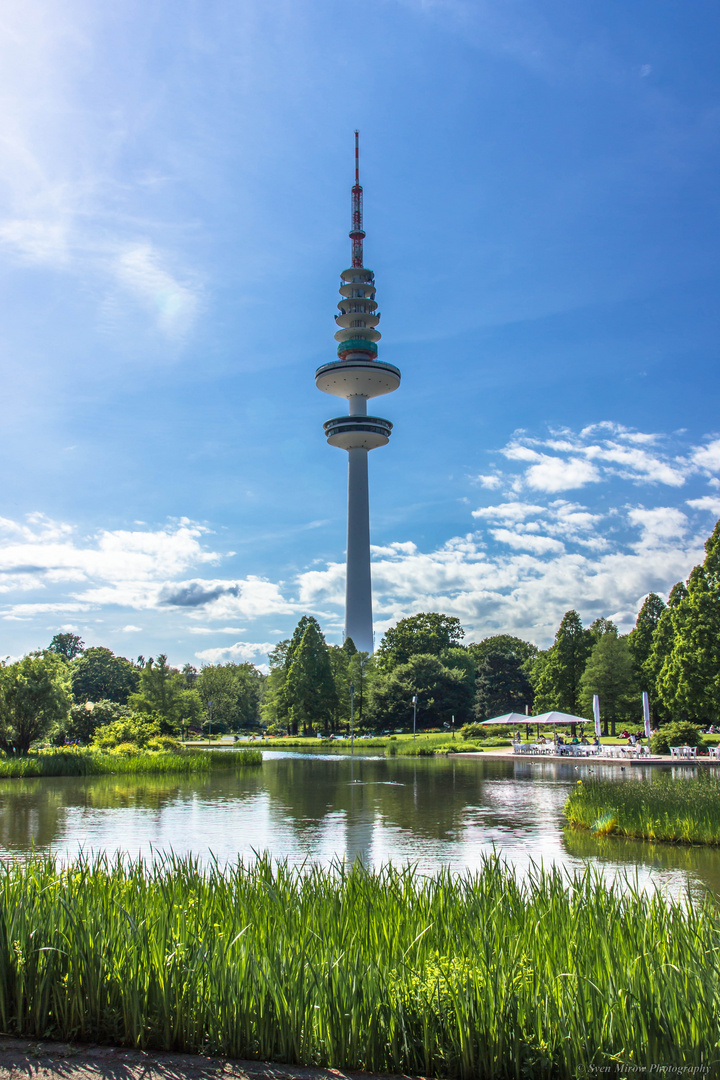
(557, 718)
(510, 718)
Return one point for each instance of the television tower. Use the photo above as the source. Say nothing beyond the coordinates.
(358, 375)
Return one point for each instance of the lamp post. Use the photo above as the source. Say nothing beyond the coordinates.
(453, 725)
(352, 716)
(414, 701)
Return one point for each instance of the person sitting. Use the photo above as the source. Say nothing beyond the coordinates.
(574, 740)
(583, 740)
(633, 739)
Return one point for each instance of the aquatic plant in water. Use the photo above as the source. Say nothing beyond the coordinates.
(80, 761)
(667, 808)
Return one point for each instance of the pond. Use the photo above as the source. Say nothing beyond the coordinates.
(433, 812)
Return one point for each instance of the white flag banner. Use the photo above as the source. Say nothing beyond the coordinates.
(596, 714)
(646, 714)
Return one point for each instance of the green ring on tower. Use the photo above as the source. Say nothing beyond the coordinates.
(357, 345)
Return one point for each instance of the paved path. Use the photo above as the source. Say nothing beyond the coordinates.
(22, 1059)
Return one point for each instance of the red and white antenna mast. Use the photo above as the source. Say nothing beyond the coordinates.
(357, 234)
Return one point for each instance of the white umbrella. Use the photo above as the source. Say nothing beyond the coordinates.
(646, 714)
(510, 718)
(596, 714)
(558, 718)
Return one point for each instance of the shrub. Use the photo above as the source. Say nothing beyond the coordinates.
(164, 743)
(678, 733)
(136, 728)
(126, 749)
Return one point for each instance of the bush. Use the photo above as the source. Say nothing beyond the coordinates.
(126, 749)
(136, 728)
(164, 743)
(678, 733)
(473, 731)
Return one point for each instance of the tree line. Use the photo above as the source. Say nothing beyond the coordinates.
(66, 692)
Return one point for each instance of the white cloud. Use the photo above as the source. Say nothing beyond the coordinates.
(600, 451)
(241, 652)
(708, 457)
(540, 545)
(491, 481)
(130, 629)
(558, 474)
(660, 527)
(509, 511)
(707, 502)
(217, 630)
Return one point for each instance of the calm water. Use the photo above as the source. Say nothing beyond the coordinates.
(432, 812)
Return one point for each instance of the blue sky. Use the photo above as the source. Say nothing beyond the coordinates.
(541, 204)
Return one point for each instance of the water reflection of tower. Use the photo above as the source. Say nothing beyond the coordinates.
(358, 375)
(359, 821)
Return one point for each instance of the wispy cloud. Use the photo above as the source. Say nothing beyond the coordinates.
(566, 460)
(62, 200)
(239, 653)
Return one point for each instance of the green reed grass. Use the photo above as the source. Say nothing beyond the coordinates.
(478, 976)
(682, 810)
(84, 762)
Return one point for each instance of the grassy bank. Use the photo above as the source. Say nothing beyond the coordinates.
(683, 810)
(83, 762)
(462, 977)
(424, 744)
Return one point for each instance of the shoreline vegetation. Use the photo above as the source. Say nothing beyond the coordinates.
(388, 971)
(81, 761)
(425, 744)
(676, 810)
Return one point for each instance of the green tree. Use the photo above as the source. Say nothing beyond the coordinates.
(640, 638)
(600, 627)
(339, 658)
(426, 634)
(163, 693)
(310, 686)
(442, 692)
(100, 675)
(689, 680)
(67, 645)
(361, 672)
(610, 674)
(84, 720)
(275, 703)
(235, 691)
(34, 695)
(557, 677)
(502, 686)
(525, 651)
(661, 648)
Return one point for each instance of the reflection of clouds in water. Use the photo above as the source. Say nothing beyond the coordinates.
(432, 814)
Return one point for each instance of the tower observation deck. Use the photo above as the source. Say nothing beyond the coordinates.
(358, 375)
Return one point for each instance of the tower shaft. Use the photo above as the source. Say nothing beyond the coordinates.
(358, 584)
